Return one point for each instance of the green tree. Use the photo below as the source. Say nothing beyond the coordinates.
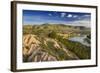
(52, 34)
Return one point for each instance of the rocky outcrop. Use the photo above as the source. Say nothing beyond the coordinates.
(36, 49)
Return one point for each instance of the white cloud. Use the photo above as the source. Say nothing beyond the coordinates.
(70, 15)
(87, 15)
(75, 16)
(63, 14)
(50, 14)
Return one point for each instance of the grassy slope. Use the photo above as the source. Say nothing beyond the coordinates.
(45, 31)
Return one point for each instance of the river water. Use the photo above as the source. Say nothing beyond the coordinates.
(80, 39)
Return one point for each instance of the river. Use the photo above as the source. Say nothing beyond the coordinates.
(80, 39)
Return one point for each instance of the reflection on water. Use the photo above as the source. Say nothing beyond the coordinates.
(80, 39)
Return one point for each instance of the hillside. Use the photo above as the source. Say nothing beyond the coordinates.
(50, 42)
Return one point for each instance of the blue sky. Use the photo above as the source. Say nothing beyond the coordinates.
(32, 17)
